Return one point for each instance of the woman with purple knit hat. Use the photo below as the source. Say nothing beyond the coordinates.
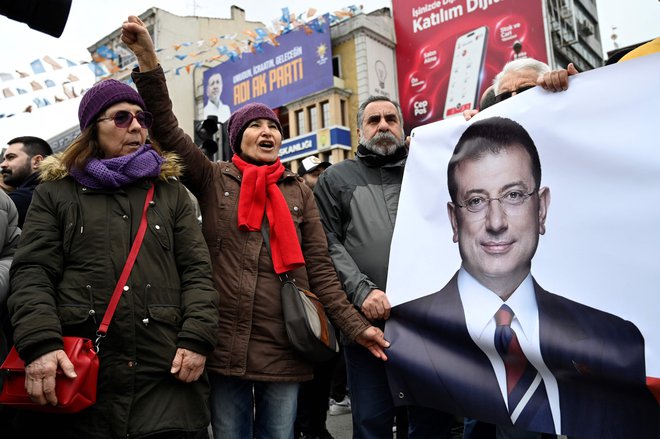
(254, 371)
(78, 234)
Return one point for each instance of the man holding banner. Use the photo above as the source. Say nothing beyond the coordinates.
(493, 344)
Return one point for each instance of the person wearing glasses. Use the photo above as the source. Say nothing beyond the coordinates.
(260, 222)
(77, 237)
(521, 75)
(493, 344)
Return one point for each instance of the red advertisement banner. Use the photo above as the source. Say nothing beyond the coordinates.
(449, 51)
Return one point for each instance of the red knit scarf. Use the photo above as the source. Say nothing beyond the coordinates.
(259, 192)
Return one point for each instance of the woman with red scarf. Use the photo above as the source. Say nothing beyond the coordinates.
(254, 371)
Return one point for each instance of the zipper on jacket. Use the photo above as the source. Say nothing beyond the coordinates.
(80, 212)
(92, 312)
(145, 320)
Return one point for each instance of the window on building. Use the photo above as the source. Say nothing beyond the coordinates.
(283, 116)
(342, 106)
(126, 60)
(313, 118)
(336, 66)
(325, 114)
(300, 122)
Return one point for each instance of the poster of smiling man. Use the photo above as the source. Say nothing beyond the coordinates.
(524, 264)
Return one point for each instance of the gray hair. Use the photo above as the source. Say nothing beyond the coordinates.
(519, 65)
(370, 99)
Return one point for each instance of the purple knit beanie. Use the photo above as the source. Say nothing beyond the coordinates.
(103, 95)
(242, 117)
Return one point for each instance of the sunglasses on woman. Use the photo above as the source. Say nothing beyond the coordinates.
(124, 119)
(507, 94)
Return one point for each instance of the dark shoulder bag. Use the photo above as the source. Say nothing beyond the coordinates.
(308, 328)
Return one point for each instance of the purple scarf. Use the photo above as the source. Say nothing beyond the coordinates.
(120, 171)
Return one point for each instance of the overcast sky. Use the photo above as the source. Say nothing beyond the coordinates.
(89, 21)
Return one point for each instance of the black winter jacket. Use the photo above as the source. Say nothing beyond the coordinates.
(75, 244)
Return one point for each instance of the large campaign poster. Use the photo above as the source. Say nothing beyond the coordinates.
(586, 318)
(298, 64)
(449, 51)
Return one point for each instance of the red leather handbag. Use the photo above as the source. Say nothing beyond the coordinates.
(73, 394)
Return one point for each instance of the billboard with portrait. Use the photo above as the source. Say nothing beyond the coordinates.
(449, 51)
(299, 65)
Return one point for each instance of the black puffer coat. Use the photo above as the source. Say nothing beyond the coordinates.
(75, 244)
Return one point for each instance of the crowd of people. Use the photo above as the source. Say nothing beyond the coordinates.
(198, 338)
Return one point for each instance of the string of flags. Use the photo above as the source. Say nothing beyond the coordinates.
(223, 48)
(54, 80)
(43, 82)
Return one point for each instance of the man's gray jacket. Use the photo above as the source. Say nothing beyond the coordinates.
(358, 200)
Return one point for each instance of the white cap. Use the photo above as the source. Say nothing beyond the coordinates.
(310, 163)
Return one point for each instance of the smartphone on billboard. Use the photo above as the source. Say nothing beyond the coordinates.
(466, 66)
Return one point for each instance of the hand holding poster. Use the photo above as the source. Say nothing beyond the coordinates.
(576, 348)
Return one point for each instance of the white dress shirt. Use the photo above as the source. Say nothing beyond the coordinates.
(221, 110)
(480, 305)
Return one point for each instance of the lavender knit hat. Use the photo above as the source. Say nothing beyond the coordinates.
(244, 115)
(103, 95)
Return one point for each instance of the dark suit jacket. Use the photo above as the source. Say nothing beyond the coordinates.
(597, 358)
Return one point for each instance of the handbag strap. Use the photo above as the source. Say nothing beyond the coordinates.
(264, 232)
(119, 288)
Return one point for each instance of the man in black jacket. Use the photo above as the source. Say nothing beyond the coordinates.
(20, 169)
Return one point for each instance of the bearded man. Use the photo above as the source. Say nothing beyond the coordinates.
(358, 201)
(20, 170)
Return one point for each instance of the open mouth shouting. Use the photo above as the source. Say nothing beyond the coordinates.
(267, 145)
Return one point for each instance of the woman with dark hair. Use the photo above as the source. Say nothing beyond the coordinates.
(79, 230)
(254, 370)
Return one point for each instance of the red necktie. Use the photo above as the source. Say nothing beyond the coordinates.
(506, 342)
(528, 402)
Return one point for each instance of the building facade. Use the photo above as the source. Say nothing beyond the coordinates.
(324, 123)
(363, 50)
(167, 31)
(574, 34)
